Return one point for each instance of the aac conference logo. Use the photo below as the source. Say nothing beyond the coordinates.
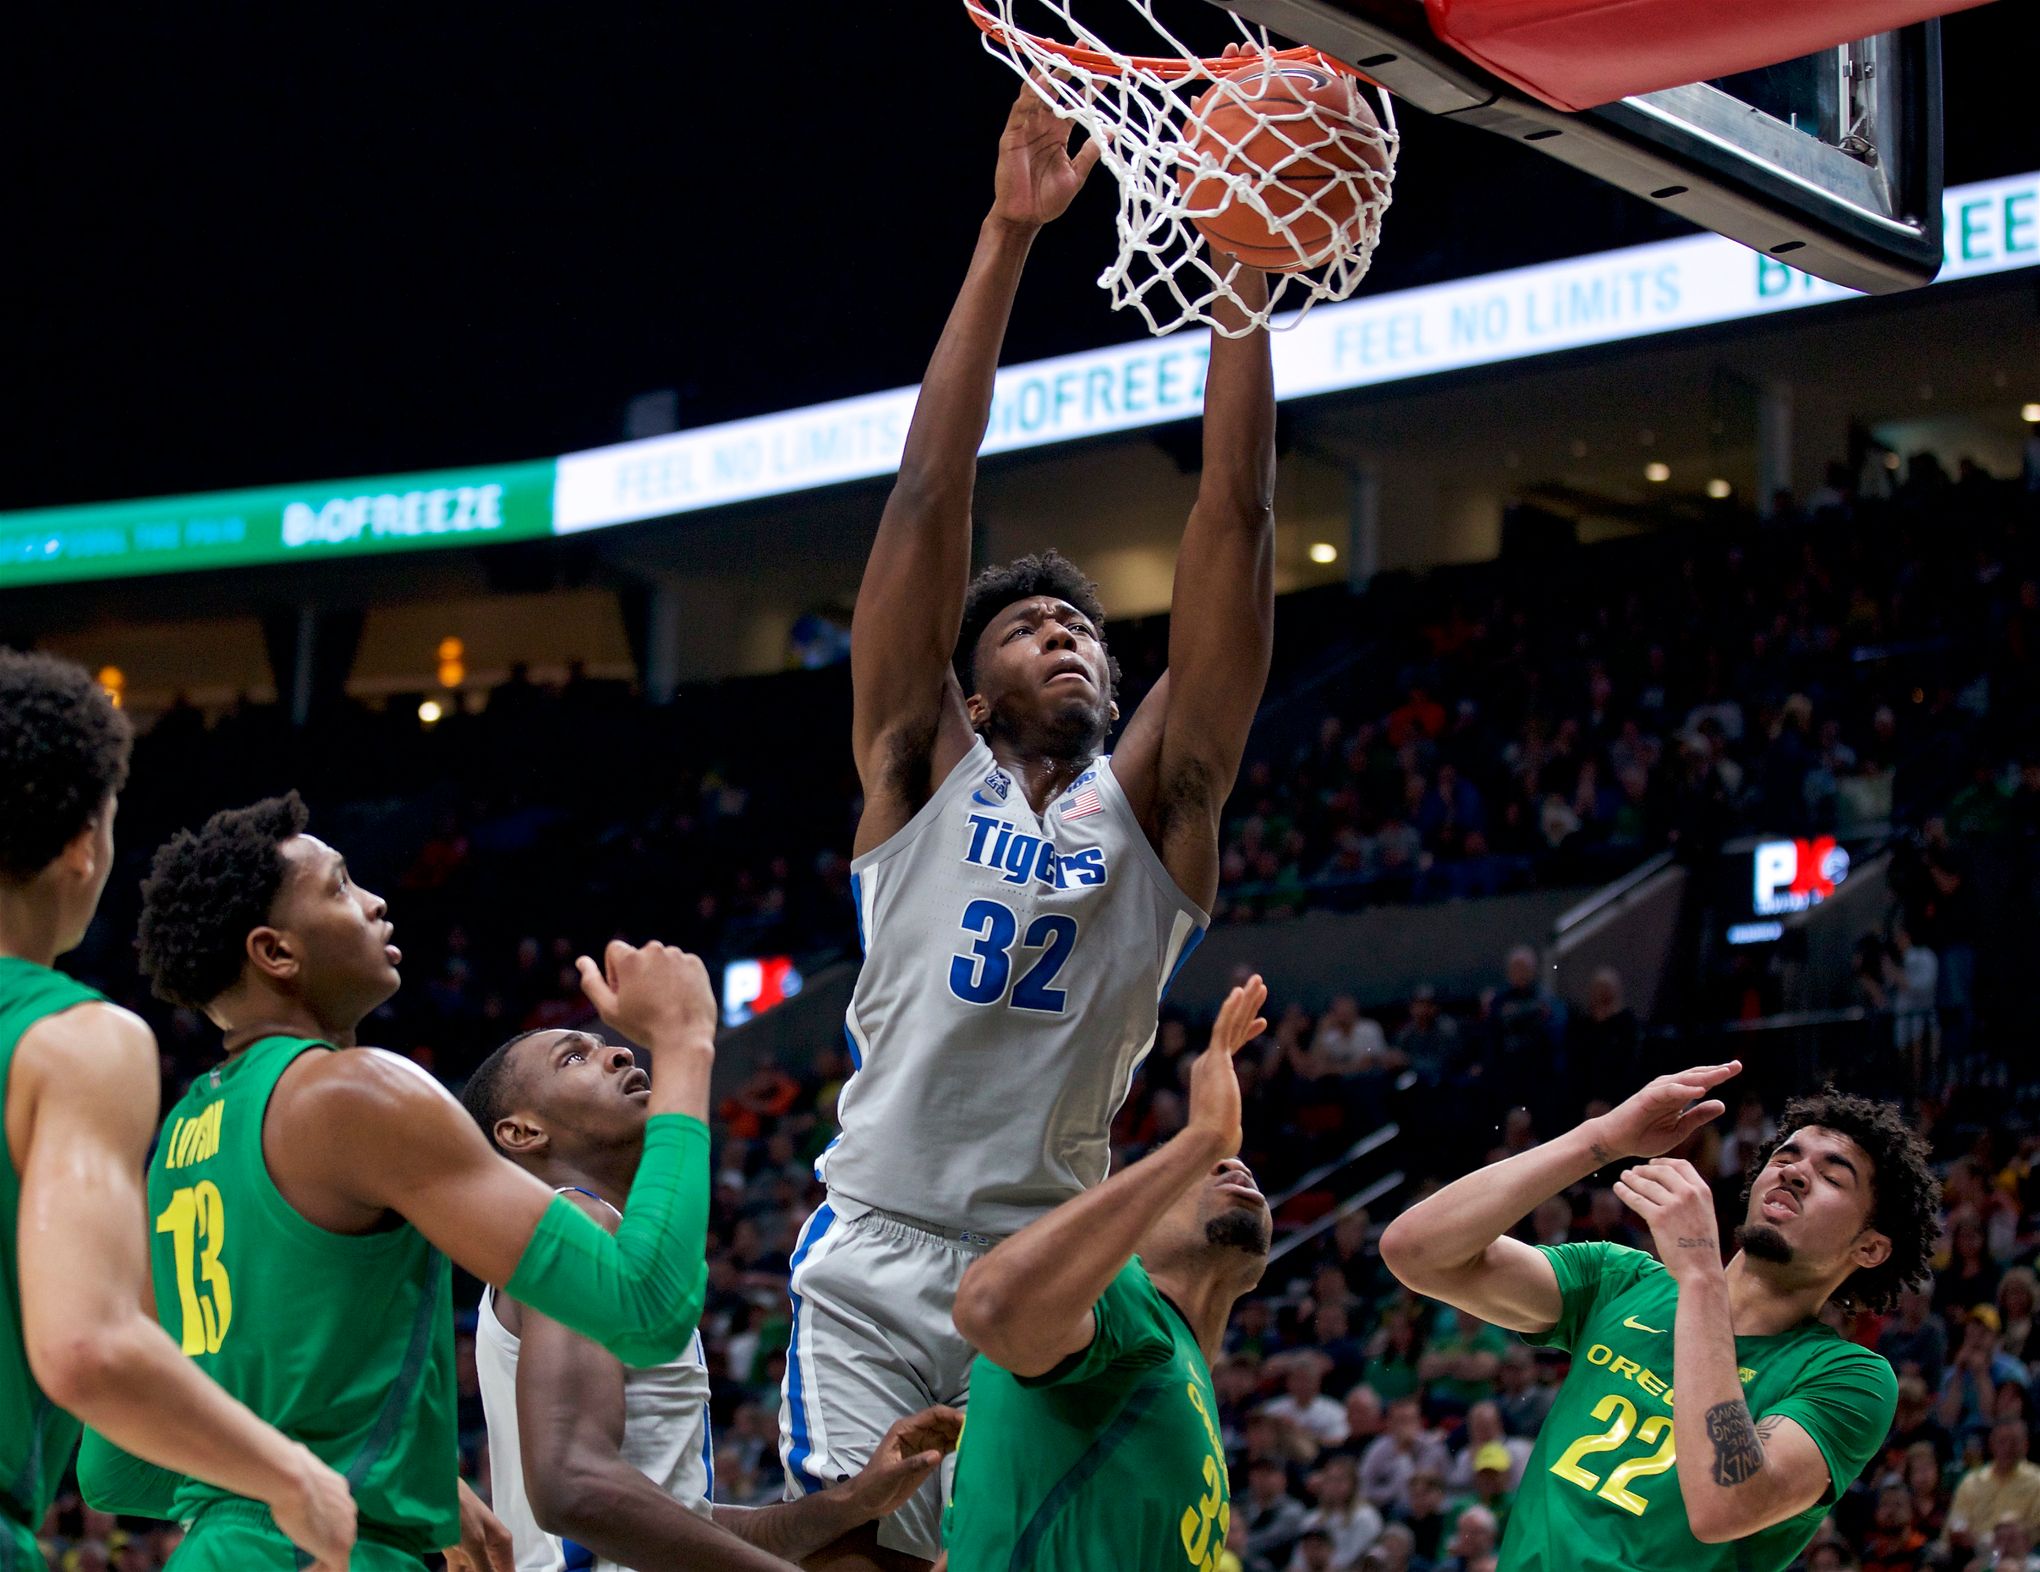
(1790, 876)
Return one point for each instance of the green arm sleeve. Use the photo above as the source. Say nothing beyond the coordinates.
(639, 1291)
(116, 1481)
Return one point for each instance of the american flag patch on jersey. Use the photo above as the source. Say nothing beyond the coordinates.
(1083, 804)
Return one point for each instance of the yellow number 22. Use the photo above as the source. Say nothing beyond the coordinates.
(1623, 1412)
(196, 1220)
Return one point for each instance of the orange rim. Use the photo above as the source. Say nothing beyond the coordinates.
(1168, 67)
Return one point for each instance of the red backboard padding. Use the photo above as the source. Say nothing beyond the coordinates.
(1575, 54)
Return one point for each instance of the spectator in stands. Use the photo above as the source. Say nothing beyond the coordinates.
(1344, 1354)
(1314, 1552)
(1366, 1419)
(1915, 1340)
(1303, 1402)
(1521, 1397)
(1352, 1523)
(1915, 1421)
(1523, 1030)
(2010, 1548)
(1394, 1551)
(1894, 1542)
(2018, 1291)
(1273, 1516)
(1969, 1389)
(1347, 1042)
(1971, 1276)
(1490, 1491)
(1425, 1515)
(1395, 1457)
(1429, 1040)
(1474, 1540)
(1459, 1366)
(1926, 1480)
(1394, 1355)
(1604, 1046)
(1484, 1429)
(2007, 1484)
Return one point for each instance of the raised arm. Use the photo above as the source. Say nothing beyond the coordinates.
(1454, 1245)
(1027, 1303)
(909, 726)
(570, 1433)
(83, 1097)
(1182, 749)
(370, 1132)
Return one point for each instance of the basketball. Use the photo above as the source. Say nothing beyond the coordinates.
(1309, 143)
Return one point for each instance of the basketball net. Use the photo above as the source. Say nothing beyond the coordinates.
(1173, 167)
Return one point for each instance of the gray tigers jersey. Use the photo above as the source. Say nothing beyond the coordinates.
(1013, 967)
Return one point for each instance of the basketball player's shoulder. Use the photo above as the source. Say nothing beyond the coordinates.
(357, 1089)
(87, 1037)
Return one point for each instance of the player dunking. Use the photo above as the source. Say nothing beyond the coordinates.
(1776, 1413)
(1023, 898)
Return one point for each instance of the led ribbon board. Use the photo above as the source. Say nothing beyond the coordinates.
(1991, 227)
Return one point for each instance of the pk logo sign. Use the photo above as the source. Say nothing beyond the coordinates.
(1790, 876)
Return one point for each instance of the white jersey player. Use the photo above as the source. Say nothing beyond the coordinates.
(1024, 899)
(613, 1470)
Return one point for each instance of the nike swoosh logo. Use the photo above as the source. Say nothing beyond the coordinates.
(982, 800)
(1635, 1325)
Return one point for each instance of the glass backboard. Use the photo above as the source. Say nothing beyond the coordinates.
(1831, 161)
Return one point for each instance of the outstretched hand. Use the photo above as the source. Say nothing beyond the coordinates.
(1214, 1083)
(912, 1450)
(1663, 1114)
(1037, 176)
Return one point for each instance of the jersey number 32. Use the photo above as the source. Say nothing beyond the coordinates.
(979, 975)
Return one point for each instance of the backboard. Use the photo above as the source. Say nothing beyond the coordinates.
(1831, 162)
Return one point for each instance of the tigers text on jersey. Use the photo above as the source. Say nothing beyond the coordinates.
(1013, 966)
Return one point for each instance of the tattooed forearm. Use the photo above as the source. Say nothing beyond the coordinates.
(1738, 1452)
(1703, 1242)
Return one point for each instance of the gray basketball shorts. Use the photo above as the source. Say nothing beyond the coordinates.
(872, 1343)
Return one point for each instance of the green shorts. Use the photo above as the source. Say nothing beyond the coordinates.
(240, 1536)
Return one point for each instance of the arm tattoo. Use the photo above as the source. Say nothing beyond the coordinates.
(1738, 1449)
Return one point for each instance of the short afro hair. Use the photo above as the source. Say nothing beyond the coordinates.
(492, 1088)
(996, 588)
(63, 752)
(207, 891)
(1905, 1197)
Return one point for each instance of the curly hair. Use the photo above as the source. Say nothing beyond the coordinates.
(63, 752)
(1905, 1197)
(996, 588)
(206, 891)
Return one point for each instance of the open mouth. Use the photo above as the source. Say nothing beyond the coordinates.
(1779, 1205)
(636, 1083)
(1064, 676)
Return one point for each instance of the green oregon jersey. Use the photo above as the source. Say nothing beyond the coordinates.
(342, 1341)
(1601, 1490)
(36, 1436)
(1109, 1462)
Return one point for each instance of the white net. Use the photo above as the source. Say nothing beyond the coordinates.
(1278, 155)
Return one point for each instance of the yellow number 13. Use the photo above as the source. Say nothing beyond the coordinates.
(196, 1220)
(1623, 1412)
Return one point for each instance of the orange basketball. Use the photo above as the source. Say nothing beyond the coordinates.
(1256, 123)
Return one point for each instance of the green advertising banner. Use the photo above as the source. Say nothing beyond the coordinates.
(315, 521)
